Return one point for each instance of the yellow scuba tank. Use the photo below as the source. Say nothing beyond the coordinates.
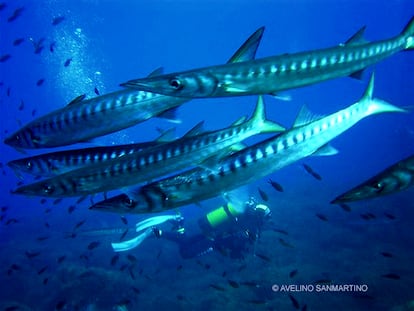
(219, 217)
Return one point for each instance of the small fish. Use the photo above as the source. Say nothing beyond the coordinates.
(250, 284)
(42, 270)
(179, 267)
(217, 287)
(47, 225)
(305, 308)
(31, 255)
(81, 199)
(11, 221)
(40, 82)
(275, 185)
(15, 267)
(263, 257)
(15, 14)
(345, 207)
(97, 91)
(242, 267)
(8, 92)
(263, 195)
(293, 273)
(12, 308)
(285, 244)
(21, 106)
(67, 62)
(391, 276)
(71, 209)
(3, 5)
(52, 46)
(207, 266)
(84, 257)
(79, 224)
(4, 208)
(18, 41)
(312, 172)
(57, 201)
(257, 301)
(45, 280)
(131, 273)
(365, 216)
(124, 234)
(124, 220)
(43, 201)
(57, 20)
(295, 303)
(4, 57)
(48, 210)
(42, 238)
(386, 254)
(114, 260)
(281, 231)
(123, 267)
(322, 217)
(389, 216)
(60, 259)
(93, 245)
(132, 258)
(233, 284)
(34, 111)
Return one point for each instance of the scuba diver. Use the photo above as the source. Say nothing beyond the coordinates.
(230, 229)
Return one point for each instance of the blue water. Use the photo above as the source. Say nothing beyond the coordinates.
(111, 42)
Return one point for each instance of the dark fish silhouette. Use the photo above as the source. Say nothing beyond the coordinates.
(217, 287)
(12, 221)
(93, 245)
(15, 14)
(386, 254)
(135, 290)
(281, 231)
(18, 41)
(42, 270)
(114, 260)
(345, 207)
(263, 257)
(43, 201)
(124, 220)
(40, 82)
(275, 185)
(57, 201)
(61, 259)
(4, 57)
(257, 301)
(233, 284)
(57, 20)
(52, 46)
(132, 258)
(80, 223)
(285, 244)
(312, 172)
(37, 45)
(60, 305)
(42, 238)
(295, 303)
(67, 62)
(322, 217)
(96, 91)
(3, 5)
(124, 234)
(71, 209)
(8, 92)
(263, 195)
(21, 106)
(31, 255)
(34, 111)
(391, 276)
(293, 273)
(389, 216)
(45, 280)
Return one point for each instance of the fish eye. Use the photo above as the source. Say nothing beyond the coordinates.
(47, 188)
(176, 84)
(29, 165)
(379, 186)
(129, 202)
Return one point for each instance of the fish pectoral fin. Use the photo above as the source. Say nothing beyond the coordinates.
(231, 88)
(326, 150)
(170, 115)
(283, 97)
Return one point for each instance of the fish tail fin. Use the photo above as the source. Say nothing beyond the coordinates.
(376, 105)
(259, 119)
(408, 33)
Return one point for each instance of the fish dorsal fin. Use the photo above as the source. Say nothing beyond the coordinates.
(77, 100)
(239, 121)
(157, 72)
(196, 130)
(166, 136)
(248, 49)
(357, 38)
(325, 150)
(305, 116)
(170, 115)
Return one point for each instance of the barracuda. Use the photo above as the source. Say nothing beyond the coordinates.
(55, 163)
(272, 74)
(154, 163)
(252, 163)
(397, 177)
(82, 120)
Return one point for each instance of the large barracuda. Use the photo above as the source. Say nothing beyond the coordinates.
(397, 177)
(82, 120)
(252, 163)
(158, 161)
(59, 162)
(273, 74)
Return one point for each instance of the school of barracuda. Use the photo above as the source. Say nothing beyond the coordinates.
(172, 172)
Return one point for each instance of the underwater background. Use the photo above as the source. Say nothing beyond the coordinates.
(46, 262)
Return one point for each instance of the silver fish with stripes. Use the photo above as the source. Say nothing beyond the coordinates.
(273, 74)
(395, 178)
(158, 161)
(250, 164)
(81, 120)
